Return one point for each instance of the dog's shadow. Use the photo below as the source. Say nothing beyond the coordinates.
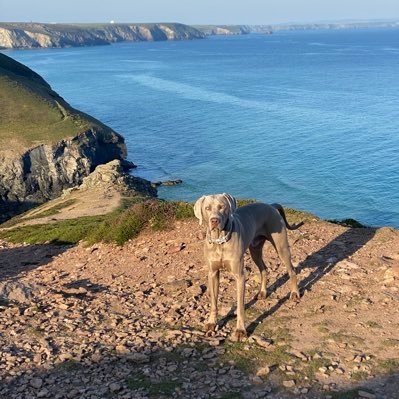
(322, 261)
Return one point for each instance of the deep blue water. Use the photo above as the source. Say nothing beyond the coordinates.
(307, 119)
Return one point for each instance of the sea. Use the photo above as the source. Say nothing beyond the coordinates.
(309, 119)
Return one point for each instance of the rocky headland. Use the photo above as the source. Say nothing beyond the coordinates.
(228, 30)
(46, 146)
(40, 35)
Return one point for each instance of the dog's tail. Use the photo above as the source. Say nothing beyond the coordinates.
(280, 210)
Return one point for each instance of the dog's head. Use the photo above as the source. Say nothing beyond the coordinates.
(215, 210)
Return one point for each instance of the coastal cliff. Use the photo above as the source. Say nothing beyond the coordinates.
(226, 30)
(39, 35)
(46, 145)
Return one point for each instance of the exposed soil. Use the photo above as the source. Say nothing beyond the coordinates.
(127, 322)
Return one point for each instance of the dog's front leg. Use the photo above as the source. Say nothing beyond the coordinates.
(213, 283)
(240, 332)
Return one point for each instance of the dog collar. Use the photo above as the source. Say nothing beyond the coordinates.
(225, 238)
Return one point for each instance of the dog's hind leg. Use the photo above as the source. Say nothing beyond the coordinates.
(256, 254)
(240, 331)
(280, 242)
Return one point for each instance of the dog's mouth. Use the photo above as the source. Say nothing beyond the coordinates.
(215, 233)
(215, 225)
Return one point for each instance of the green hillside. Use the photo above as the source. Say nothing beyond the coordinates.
(31, 112)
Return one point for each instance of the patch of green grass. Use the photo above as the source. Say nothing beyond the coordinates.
(280, 334)
(127, 202)
(242, 202)
(140, 381)
(70, 365)
(248, 360)
(359, 376)
(31, 114)
(35, 332)
(351, 394)
(323, 329)
(53, 210)
(62, 232)
(48, 212)
(348, 223)
(124, 225)
(390, 366)
(296, 216)
(390, 342)
(183, 210)
(373, 324)
(116, 227)
(312, 367)
(342, 337)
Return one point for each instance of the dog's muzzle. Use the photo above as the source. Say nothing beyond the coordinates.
(214, 223)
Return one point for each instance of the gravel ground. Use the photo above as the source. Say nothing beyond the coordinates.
(127, 322)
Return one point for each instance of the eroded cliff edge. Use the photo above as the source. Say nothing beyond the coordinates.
(36, 35)
(46, 145)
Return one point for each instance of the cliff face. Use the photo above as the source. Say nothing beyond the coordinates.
(45, 144)
(42, 172)
(226, 30)
(35, 35)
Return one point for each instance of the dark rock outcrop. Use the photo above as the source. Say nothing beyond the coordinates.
(42, 172)
(112, 176)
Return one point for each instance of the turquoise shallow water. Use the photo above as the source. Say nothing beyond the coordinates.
(307, 119)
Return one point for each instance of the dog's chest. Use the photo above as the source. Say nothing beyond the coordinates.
(218, 258)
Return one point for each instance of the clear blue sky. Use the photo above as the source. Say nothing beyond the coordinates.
(197, 11)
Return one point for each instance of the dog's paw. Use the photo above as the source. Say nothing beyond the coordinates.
(260, 295)
(295, 296)
(239, 335)
(210, 328)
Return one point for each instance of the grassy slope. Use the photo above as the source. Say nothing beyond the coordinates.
(119, 226)
(31, 112)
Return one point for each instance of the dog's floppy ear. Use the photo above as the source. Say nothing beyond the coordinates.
(198, 209)
(232, 202)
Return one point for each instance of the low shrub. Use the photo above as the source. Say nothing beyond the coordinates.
(116, 227)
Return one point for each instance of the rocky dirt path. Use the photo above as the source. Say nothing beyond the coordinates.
(111, 322)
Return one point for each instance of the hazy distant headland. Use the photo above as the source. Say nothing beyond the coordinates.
(41, 35)
(268, 29)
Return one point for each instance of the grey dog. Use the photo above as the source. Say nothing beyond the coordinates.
(230, 232)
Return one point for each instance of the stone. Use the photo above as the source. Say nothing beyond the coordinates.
(15, 291)
(257, 380)
(298, 354)
(289, 383)
(323, 369)
(263, 371)
(367, 395)
(36, 383)
(261, 341)
(137, 358)
(115, 387)
(43, 393)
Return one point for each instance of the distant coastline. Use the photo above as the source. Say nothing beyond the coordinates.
(24, 35)
(40, 35)
(210, 30)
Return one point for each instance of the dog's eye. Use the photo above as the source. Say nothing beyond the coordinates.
(220, 207)
(208, 208)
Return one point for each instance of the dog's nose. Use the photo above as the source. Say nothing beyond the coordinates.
(214, 221)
